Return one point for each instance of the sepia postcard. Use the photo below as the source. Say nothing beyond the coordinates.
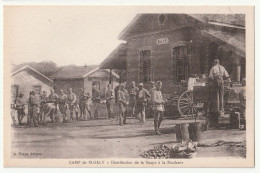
(128, 86)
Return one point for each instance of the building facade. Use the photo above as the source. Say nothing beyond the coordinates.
(28, 79)
(171, 47)
(77, 78)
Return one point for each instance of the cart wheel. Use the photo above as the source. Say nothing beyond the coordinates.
(185, 104)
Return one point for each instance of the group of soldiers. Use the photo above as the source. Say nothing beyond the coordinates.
(131, 102)
(40, 106)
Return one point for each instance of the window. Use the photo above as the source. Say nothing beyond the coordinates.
(145, 66)
(37, 88)
(181, 63)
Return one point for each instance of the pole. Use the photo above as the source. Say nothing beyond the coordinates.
(110, 76)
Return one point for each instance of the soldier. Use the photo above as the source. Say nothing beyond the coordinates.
(216, 74)
(96, 100)
(158, 107)
(20, 107)
(153, 87)
(44, 107)
(82, 104)
(29, 110)
(62, 104)
(109, 101)
(123, 103)
(33, 102)
(88, 98)
(38, 97)
(53, 98)
(71, 102)
(133, 90)
(116, 92)
(142, 96)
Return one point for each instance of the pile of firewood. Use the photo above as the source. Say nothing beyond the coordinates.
(187, 149)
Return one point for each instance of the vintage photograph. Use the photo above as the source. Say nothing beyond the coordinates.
(104, 83)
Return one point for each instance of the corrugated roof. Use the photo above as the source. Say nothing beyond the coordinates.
(74, 71)
(226, 39)
(232, 19)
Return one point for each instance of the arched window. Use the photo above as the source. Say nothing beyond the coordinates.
(181, 63)
(145, 66)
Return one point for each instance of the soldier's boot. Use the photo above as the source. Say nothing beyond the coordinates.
(156, 129)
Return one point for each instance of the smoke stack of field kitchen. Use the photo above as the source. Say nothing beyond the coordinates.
(200, 60)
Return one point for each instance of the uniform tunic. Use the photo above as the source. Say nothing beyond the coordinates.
(123, 102)
(132, 99)
(109, 102)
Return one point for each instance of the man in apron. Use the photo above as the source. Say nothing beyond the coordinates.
(217, 73)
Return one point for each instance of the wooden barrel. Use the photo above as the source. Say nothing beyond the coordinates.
(182, 132)
(235, 120)
(195, 131)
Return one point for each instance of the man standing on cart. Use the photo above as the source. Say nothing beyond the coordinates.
(217, 73)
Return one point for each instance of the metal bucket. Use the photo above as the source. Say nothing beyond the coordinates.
(195, 131)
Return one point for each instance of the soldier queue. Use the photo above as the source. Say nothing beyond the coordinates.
(131, 102)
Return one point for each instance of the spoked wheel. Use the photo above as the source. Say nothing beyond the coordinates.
(186, 104)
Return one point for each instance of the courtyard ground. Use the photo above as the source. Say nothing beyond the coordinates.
(104, 138)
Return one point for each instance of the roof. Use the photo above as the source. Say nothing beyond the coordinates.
(229, 20)
(73, 71)
(227, 40)
(117, 59)
(148, 23)
(33, 72)
(77, 72)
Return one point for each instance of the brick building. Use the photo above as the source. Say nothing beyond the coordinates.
(171, 47)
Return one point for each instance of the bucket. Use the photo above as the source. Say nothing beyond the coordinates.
(182, 132)
(235, 120)
(195, 131)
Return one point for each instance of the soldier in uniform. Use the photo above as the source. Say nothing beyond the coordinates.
(158, 107)
(82, 104)
(123, 103)
(88, 102)
(33, 102)
(38, 98)
(142, 97)
(29, 110)
(133, 90)
(71, 102)
(20, 107)
(53, 98)
(109, 101)
(62, 104)
(43, 108)
(96, 100)
(216, 75)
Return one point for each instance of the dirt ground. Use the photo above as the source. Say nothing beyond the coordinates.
(104, 138)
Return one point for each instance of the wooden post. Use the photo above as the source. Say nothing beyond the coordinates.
(110, 76)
